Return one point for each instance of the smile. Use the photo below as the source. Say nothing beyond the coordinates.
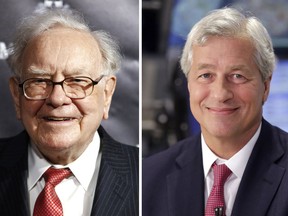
(222, 110)
(58, 118)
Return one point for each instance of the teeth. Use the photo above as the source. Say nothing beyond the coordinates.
(58, 118)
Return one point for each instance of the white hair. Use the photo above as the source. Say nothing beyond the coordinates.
(40, 21)
(229, 22)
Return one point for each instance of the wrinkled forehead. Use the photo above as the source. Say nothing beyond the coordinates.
(62, 49)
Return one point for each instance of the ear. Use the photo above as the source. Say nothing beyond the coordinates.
(109, 89)
(267, 88)
(15, 92)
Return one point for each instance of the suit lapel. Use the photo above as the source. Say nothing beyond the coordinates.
(113, 180)
(262, 175)
(186, 185)
(13, 177)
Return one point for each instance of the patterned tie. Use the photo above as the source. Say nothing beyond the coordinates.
(216, 203)
(48, 203)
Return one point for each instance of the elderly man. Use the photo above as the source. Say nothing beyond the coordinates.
(237, 164)
(64, 163)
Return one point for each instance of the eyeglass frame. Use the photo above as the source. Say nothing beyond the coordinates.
(93, 82)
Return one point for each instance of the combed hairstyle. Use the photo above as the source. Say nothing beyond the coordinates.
(41, 21)
(229, 22)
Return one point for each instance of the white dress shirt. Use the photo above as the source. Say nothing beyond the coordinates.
(236, 164)
(75, 193)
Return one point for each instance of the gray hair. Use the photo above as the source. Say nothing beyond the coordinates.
(40, 21)
(229, 22)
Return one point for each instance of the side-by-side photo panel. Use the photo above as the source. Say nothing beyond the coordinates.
(69, 131)
(214, 115)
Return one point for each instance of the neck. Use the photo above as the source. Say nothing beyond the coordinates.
(226, 147)
(223, 150)
(62, 156)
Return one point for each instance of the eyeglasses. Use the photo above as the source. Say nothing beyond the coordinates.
(74, 87)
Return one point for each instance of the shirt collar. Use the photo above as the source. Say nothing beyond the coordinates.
(236, 163)
(82, 168)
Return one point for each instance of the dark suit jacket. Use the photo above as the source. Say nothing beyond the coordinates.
(117, 186)
(173, 181)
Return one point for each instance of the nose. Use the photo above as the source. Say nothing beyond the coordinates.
(57, 97)
(222, 90)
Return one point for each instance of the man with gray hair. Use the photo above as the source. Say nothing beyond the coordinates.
(64, 163)
(237, 164)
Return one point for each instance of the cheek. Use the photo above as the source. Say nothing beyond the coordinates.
(92, 116)
(29, 109)
(253, 95)
(197, 94)
(92, 108)
(28, 114)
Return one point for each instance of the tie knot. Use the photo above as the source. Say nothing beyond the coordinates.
(221, 173)
(55, 176)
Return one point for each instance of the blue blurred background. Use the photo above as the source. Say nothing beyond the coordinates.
(165, 25)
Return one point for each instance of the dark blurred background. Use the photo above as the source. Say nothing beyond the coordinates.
(165, 106)
(120, 19)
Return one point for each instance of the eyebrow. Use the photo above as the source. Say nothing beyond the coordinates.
(38, 71)
(239, 67)
(75, 72)
(233, 67)
(204, 66)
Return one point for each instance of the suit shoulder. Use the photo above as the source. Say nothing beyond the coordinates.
(282, 134)
(11, 142)
(166, 159)
(119, 156)
(282, 137)
(131, 153)
(129, 149)
(113, 147)
(277, 134)
(13, 150)
(156, 168)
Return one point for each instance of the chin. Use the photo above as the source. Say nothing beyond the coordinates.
(221, 130)
(60, 140)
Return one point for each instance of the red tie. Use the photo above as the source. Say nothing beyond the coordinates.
(216, 203)
(48, 203)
